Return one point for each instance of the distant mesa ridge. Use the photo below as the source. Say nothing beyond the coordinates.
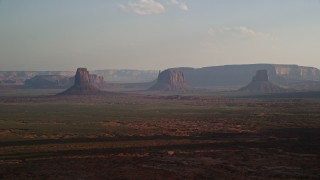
(260, 84)
(49, 81)
(227, 77)
(170, 80)
(83, 84)
(238, 75)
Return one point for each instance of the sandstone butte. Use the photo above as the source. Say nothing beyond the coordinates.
(170, 80)
(260, 84)
(83, 84)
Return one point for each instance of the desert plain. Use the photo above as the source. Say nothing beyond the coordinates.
(158, 136)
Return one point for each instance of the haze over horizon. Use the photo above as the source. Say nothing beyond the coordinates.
(157, 34)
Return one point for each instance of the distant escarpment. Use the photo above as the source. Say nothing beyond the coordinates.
(235, 76)
(83, 84)
(260, 84)
(126, 75)
(19, 77)
(170, 80)
(49, 82)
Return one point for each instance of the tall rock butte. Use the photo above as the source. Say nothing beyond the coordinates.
(260, 84)
(170, 80)
(83, 84)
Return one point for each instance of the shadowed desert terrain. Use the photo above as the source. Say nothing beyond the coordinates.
(138, 136)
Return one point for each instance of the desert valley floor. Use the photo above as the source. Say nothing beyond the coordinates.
(150, 136)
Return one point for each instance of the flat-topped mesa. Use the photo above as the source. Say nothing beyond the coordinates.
(260, 84)
(82, 84)
(170, 80)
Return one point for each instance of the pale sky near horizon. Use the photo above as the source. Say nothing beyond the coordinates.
(157, 34)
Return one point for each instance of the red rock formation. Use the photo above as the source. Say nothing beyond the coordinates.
(170, 80)
(96, 80)
(82, 84)
(260, 84)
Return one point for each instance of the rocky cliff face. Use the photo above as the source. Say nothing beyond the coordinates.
(82, 78)
(170, 80)
(260, 84)
(301, 72)
(96, 80)
(82, 84)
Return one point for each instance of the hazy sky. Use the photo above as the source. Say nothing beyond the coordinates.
(157, 34)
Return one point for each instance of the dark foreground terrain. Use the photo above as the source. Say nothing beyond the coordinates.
(128, 136)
